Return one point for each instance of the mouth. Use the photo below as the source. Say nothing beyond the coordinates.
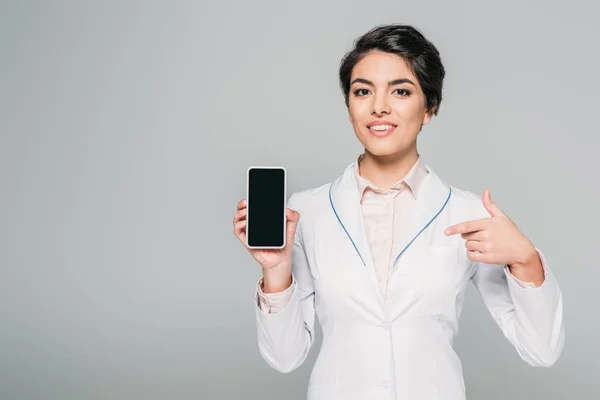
(381, 130)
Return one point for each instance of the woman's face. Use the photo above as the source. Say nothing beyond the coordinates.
(386, 104)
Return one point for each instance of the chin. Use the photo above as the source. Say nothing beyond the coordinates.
(385, 149)
(381, 152)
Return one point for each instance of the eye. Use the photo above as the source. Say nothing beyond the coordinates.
(404, 92)
(360, 92)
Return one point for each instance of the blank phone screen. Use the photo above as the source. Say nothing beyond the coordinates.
(266, 206)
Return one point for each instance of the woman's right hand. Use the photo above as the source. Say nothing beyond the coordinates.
(276, 263)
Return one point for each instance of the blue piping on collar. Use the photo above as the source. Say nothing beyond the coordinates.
(409, 243)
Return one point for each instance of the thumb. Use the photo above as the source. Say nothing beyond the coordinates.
(489, 205)
(292, 222)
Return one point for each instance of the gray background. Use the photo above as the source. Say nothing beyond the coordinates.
(126, 130)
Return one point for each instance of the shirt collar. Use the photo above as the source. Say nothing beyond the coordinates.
(414, 178)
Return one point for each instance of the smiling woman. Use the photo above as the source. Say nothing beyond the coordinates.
(392, 84)
(383, 254)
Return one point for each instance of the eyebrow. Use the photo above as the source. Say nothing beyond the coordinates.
(390, 83)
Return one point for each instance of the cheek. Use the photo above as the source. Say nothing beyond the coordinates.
(355, 111)
(407, 109)
(411, 111)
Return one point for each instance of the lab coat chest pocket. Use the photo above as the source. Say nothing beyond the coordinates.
(437, 274)
(441, 267)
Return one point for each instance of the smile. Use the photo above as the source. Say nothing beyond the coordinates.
(381, 130)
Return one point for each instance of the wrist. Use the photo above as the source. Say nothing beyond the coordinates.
(276, 279)
(530, 258)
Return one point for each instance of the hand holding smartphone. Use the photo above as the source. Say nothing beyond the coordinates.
(263, 223)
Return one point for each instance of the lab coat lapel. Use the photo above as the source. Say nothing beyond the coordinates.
(345, 203)
(431, 201)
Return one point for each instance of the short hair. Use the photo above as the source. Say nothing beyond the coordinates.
(409, 43)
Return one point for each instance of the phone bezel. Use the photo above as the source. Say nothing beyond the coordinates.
(284, 204)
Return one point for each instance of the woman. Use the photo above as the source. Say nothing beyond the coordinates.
(383, 254)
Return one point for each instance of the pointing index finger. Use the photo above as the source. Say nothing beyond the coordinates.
(465, 227)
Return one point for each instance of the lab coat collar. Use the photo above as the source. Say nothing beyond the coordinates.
(345, 203)
(413, 178)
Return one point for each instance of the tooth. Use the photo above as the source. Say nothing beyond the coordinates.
(381, 127)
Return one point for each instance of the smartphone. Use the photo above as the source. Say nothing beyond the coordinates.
(265, 209)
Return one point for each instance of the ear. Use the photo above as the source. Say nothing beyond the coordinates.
(427, 117)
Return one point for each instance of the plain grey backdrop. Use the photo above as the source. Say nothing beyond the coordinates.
(126, 130)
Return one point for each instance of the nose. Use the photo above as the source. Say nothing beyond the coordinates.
(380, 104)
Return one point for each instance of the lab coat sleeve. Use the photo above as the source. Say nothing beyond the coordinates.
(274, 302)
(531, 318)
(285, 337)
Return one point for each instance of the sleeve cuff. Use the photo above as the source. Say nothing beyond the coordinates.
(528, 285)
(274, 303)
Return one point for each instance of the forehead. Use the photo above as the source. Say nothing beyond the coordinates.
(381, 67)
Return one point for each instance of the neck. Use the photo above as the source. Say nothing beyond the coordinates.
(385, 171)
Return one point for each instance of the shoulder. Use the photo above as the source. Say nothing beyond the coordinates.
(468, 203)
(310, 200)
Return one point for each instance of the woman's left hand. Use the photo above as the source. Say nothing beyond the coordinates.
(495, 240)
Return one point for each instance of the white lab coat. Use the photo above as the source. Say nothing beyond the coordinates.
(398, 346)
